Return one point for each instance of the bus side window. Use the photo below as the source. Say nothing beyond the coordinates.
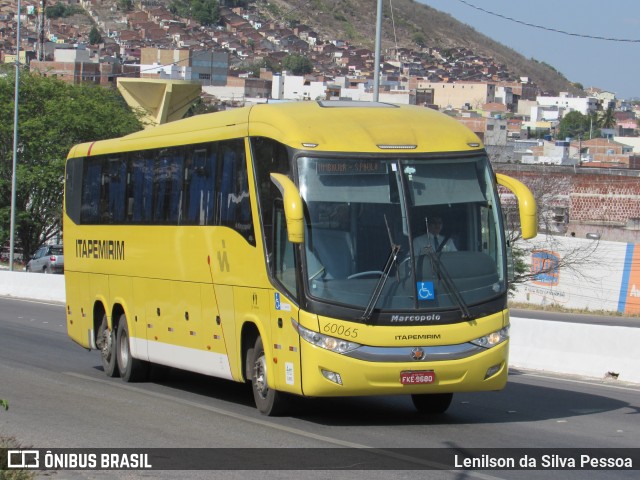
(116, 190)
(269, 157)
(143, 173)
(90, 212)
(167, 188)
(200, 173)
(283, 263)
(235, 204)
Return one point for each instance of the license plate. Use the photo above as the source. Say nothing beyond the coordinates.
(417, 378)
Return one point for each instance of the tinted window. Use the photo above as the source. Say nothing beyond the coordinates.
(205, 184)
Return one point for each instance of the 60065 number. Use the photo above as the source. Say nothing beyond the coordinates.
(338, 329)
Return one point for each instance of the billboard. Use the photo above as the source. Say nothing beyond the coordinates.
(581, 274)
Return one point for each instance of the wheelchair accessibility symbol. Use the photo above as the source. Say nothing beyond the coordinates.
(425, 291)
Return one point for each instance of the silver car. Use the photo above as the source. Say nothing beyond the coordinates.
(47, 259)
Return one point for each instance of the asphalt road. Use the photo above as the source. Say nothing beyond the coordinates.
(59, 397)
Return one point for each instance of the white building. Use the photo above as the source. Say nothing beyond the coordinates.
(293, 87)
(565, 103)
(547, 152)
(166, 72)
(72, 55)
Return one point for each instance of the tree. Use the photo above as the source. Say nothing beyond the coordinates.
(607, 119)
(574, 125)
(61, 10)
(206, 12)
(200, 107)
(53, 116)
(551, 196)
(125, 5)
(94, 36)
(297, 64)
(418, 39)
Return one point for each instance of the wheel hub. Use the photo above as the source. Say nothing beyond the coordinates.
(260, 377)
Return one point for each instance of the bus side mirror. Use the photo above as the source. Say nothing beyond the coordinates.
(526, 204)
(293, 211)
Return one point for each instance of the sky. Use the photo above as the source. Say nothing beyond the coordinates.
(611, 65)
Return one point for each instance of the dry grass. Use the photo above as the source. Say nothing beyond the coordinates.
(561, 309)
(5, 474)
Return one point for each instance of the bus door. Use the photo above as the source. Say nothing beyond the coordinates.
(285, 341)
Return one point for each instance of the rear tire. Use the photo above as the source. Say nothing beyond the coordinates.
(106, 343)
(432, 403)
(268, 401)
(131, 369)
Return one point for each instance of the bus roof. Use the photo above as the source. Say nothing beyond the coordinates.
(344, 126)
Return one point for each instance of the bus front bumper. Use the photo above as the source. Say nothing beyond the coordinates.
(328, 374)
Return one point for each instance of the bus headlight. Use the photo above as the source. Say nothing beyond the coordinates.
(492, 339)
(337, 345)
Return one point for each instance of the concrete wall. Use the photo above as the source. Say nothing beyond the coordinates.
(48, 288)
(556, 347)
(579, 273)
(599, 200)
(594, 351)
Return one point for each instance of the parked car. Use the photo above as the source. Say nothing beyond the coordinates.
(47, 259)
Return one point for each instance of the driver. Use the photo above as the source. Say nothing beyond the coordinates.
(433, 237)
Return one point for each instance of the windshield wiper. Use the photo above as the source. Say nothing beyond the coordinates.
(446, 280)
(391, 261)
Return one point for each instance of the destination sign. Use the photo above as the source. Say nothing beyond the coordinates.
(350, 167)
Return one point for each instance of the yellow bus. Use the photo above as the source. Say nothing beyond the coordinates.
(283, 245)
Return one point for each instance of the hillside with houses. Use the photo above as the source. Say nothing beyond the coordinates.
(259, 34)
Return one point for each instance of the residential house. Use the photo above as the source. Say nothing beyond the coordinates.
(604, 152)
(463, 95)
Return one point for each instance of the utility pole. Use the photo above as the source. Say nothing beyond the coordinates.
(41, 21)
(15, 147)
(376, 71)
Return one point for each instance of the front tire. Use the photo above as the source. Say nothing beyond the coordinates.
(268, 401)
(432, 403)
(106, 343)
(131, 369)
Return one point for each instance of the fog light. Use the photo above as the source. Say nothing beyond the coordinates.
(491, 371)
(332, 376)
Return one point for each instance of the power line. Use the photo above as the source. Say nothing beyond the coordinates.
(549, 29)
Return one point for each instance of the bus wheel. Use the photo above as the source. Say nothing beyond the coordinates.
(268, 401)
(106, 342)
(131, 369)
(432, 403)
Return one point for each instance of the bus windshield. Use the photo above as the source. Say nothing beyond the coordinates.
(411, 233)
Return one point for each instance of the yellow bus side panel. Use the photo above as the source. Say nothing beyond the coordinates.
(212, 336)
(224, 295)
(177, 333)
(99, 293)
(79, 308)
(286, 345)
